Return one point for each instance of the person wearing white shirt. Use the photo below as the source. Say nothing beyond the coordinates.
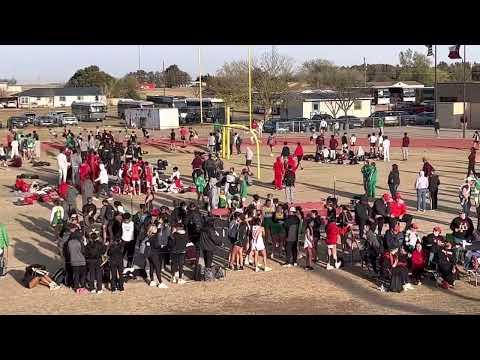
(103, 179)
(323, 126)
(325, 153)
(63, 165)
(175, 174)
(386, 149)
(353, 140)
(248, 157)
(14, 146)
(373, 141)
(421, 184)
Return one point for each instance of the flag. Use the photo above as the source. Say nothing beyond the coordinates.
(454, 52)
(429, 50)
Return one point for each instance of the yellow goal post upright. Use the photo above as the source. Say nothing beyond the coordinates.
(226, 139)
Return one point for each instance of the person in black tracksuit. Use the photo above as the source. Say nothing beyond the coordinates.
(394, 180)
(115, 259)
(291, 242)
(159, 248)
(381, 212)
(433, 184)
(93, 254)
(178, 247)
(363, 212)
(208, 242)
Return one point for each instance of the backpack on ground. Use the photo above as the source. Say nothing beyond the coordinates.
(209, 274)
(60, 276)
(219, 273)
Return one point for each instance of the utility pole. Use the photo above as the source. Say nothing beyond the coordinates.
(365, 71)
(139, 67)
(250, 87)
(164, 78)
(200, 84)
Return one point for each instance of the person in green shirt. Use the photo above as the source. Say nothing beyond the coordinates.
(30, 146)
(243, 188)
(372, 181)
(380, 125)
(200, 184)
(366, 170)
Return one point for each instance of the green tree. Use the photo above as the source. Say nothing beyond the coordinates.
(230, 83)
(175, 77)
(317, 72)
(126, 87)
(92, 76)
(416, 66)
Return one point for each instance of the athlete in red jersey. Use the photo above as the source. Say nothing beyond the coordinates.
(135, 173)
(148, 175)
(127, 181)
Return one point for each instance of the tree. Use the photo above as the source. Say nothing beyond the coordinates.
(346, 81)
(416, 67)
(175, 77)
(126, 87)
(142, 76)
(230, 83)
(270, 78)
(11, 81)
(92, 76)
(333, 106)
(317, 72)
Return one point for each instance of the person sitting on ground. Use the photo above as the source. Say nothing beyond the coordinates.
(462, 227)
(419, 261)
(398, 211)
(381, 211)
(411, 238)
(324, 155)
(372, 246)
(398, 270)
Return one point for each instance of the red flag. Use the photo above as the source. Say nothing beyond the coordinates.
(454, 52)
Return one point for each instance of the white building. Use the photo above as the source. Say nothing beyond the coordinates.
(59, 97)
(308, 103)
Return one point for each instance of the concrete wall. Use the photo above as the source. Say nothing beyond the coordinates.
(449, 114)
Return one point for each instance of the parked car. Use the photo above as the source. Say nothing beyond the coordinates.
(425, 118)
(11, 104)
(320, 117)
(18, 122)
(270, 126)
(30, 117)
(353, 121)
(390, 118)
(67, 119)
(45, 121)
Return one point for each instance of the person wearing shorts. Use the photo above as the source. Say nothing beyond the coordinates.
(172, 141)
(258, 245)
(135, 173)
(332, 238)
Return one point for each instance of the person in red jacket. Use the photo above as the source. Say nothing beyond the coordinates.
(127, 181)
(333, 147)
(291, 162)
(278, 172)
(85, 172)
(299, 154)
(135, 172)
(148, 175)
(398, 211)
(333, 237)
(419, 260)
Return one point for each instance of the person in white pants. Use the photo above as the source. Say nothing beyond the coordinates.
(63, 165)
(386, 149)
(14, 146)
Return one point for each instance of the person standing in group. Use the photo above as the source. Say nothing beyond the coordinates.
(380, 125)
(308, 244)
(464, 195)
(238, 144)
(299, 154)
(93, 254)
(211, 143)
(366, 170)
(178, 248)
(291, 242)
(373, 142)
(344, 142)
(471, 162)
(427, 167)
(271, 143)
(353, 141)
(394, 180)
(333, 147)
(323, 126)
(278, 172)
(372, 181)
(405, 145)
(433, 184)
(248, 157)
(386, 149)
(332, 239)
(76, 251)
(289, 181)
(63, 165)
(436, 125)
(173, 146)
(258, 245)
(285, 151)
(421, 185)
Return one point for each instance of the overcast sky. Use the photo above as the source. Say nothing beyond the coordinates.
(43, 64)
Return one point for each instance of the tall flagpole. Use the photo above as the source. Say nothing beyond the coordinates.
(250, 86)
(200, 85)
(464, 125)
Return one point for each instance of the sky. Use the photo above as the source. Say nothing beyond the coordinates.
(38, 64)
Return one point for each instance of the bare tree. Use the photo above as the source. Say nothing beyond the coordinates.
(333, 106)
(346, 92)
(271, 75)
(231, 83)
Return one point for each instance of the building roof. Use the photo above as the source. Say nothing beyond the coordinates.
(319, 95)
(72, 91)
(394, 83)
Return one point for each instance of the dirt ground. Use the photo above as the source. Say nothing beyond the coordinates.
(349, 290)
